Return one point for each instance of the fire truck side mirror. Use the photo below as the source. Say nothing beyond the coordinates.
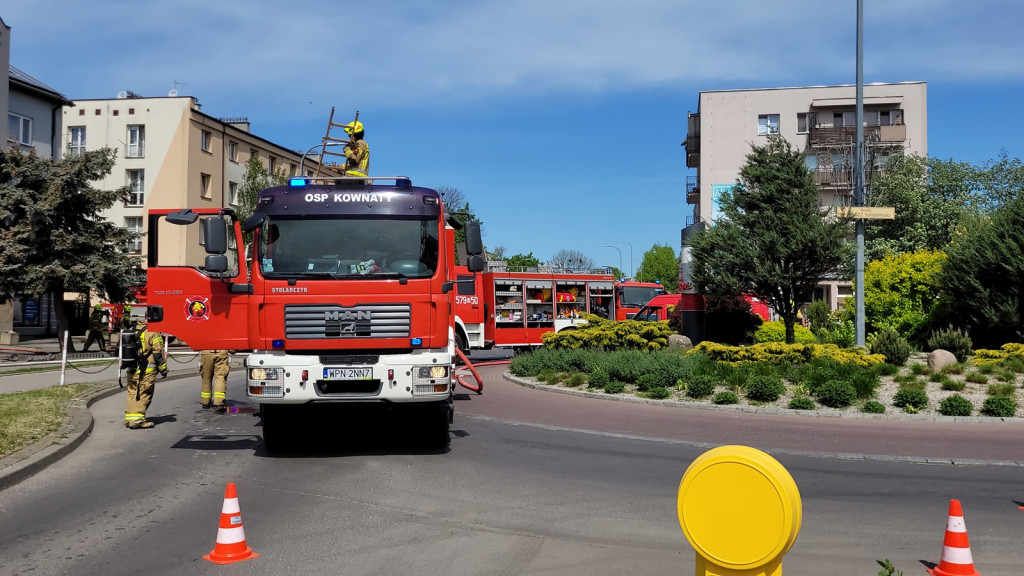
(215, 232)
(216, 263)
(475, 263)
(474, 243)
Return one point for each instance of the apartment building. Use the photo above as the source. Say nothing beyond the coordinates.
(820, 120)
(171, 155)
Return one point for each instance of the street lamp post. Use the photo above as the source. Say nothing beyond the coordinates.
(617, 250)
(630, 256)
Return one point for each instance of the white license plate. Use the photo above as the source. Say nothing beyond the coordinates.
(348, 373)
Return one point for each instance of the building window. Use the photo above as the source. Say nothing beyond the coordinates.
(204, 185)
(232, 151)
(253, 153)
(802, 126)
(136, 187)
(76, 142)
(292, 168)
(273, 165)
(136, 141)
(204, 140)
(768, 124)
(19, 128)
(232, 193)
(134, 224)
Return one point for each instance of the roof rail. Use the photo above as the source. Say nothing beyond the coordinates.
(400, 181)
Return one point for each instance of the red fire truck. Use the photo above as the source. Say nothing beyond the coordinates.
(348, 297)
(513, 309)
(630, 296)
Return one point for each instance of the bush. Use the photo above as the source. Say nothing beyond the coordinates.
(776, 332)
(603, 334)
(872, 407)
(598, 378)
(818, 315)
(916, 399)
(700, 386)
(864, 381)
(577, 379)
(886, 369)
(765, 388)
(953, 369)
(953, 385)
(1014, 363)
(952, 340)
(920, 369)
(976, 378)
(547, 375)
(727, 397)
(1001, 389)
(658, 393)
(842, 334)
(956, 405)
(801, 403)
(836, 393)
(648, 382)
(615, 387)
(1000, 406)
(892, 345)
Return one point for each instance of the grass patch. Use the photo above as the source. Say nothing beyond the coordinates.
(25, 417)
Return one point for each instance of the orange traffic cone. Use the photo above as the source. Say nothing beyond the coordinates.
(956, 550)
(230, 546)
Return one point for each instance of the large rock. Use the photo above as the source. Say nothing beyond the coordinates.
(939, 359)
(679, 341)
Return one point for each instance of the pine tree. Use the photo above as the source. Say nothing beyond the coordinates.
(774, 240)
(52, 237)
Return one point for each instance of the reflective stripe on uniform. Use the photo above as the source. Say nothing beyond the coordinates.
(129, 417)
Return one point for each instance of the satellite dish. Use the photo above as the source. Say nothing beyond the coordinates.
(122, 94)
(173, 92)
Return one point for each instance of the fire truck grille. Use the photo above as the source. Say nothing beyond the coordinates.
(331, 321)
(349, 359)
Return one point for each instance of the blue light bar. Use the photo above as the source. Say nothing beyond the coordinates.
(416, 341)
(277, 343)
(297, 182)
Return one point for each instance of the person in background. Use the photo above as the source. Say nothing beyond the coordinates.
(98, 328)
(149, 361)
(126, 319)
(214, 366)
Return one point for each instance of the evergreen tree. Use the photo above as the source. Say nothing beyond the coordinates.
(52, 237)
(982, 278)
(774, 240)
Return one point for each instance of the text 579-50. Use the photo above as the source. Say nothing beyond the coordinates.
(466, 300)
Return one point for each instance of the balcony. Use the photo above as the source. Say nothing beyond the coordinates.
(692, 190)
(841, 177)
(831, 135)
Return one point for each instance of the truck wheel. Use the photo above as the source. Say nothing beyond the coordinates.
(438, 426)
(463, 345)
(276, 427)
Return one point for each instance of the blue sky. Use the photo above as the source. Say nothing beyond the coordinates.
(559, 120)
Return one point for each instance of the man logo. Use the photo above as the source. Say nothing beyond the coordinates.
(347, 323)
(346, 315)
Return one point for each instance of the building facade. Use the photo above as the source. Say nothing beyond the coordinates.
(820, 120)
(171, 155)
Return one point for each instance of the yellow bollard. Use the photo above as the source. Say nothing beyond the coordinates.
(740, 510)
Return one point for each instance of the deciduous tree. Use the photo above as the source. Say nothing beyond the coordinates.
(660, 264)
(574, 260)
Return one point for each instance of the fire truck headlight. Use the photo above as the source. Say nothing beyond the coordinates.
(431, 380)
(264, 374)
(265, 383)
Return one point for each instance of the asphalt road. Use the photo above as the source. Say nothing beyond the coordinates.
(534, 483)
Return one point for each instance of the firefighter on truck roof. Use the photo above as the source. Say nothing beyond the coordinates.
(357, 151)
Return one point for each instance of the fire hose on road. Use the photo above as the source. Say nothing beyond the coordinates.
(471, 368)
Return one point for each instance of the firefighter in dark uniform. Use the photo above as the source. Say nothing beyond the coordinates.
(98, 328)
(214, 366)
(126, 319)
(149, 361)
(357, 151)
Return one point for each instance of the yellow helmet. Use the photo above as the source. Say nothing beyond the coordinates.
(98, 307)
(127, 308)
(353, 127)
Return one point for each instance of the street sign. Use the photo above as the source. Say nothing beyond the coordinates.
(867, 212)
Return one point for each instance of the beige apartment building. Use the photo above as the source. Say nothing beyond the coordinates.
(171, 155)
(820, 120)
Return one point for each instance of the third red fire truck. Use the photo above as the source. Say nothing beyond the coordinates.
(502, 308)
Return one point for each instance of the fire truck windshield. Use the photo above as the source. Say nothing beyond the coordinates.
(343, 247)
(637, 296)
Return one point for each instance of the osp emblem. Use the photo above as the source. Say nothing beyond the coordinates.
(197, 308)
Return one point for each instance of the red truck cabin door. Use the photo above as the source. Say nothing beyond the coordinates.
(207, 310)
